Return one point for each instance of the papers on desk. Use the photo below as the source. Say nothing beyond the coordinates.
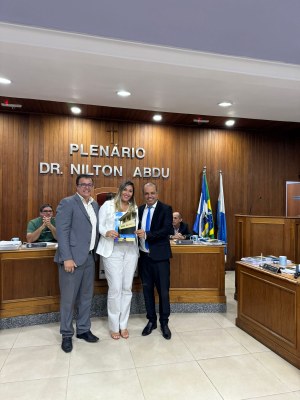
(215, 242)
(257, 260)
(270, 265)
(289, 270)
(10, 244)
(211, 242)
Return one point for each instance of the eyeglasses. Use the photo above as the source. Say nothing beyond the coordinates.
(85, 185)
(47, 211)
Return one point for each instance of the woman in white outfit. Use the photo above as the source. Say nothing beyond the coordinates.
(119, 258)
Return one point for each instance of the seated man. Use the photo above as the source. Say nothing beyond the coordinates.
(42, 229)
(181, 229)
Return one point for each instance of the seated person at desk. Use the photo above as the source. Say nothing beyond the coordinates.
(42, 229)
(181, 229)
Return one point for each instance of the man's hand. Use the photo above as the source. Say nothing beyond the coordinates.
(47, 222)
(69, 266)
(141, 233)
(178, 235)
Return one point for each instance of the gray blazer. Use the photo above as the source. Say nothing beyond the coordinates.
(74, 230)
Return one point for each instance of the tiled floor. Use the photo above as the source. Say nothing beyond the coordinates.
(207, 358)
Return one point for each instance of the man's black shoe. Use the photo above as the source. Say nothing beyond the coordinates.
(88, 337)
(149, 328)
(67, 345)
(166, 332)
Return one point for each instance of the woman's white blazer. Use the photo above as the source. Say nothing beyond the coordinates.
(107, 223)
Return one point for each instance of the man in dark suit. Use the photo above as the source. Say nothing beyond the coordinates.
(77, 236)
(180, 228)
(155, 226)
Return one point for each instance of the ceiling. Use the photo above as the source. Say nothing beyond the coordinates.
(47, 65)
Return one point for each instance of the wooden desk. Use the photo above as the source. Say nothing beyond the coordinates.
(256, 235)
(28, 282)
(269, 309)
(29, 279)
(197, 274)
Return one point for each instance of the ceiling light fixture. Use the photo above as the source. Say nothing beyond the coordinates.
(4, 81)
(225, 104)
(123, 93)
(157, 117)
(230, 122)
(75, 110)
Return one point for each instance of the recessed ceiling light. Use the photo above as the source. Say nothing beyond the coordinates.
(75, 110)
(230, 122)
(225, 104)
(5, 81)
(123, 93)
(157, 117)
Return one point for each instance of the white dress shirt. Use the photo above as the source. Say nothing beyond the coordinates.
(93, 218)
(143, 226)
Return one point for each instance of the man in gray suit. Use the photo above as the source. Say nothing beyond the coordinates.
(77, 236)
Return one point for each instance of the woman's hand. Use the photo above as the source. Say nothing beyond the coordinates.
(112, 234)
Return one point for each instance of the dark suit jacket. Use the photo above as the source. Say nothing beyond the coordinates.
(183, 229)
(74, 230)
(160, 230)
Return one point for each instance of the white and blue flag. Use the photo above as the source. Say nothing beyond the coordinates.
(221, 217)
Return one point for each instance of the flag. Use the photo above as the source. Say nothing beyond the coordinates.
(204, 223)
(221, 217)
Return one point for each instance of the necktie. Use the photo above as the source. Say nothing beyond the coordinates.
(148, 223)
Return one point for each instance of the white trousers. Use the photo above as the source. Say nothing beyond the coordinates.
(119, 271)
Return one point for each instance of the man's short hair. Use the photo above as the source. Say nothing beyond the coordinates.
(85, 176)
(179, 215)
(150, 184)
(44, 206)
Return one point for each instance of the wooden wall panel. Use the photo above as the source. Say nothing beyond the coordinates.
(255, 166)
(14, 174)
